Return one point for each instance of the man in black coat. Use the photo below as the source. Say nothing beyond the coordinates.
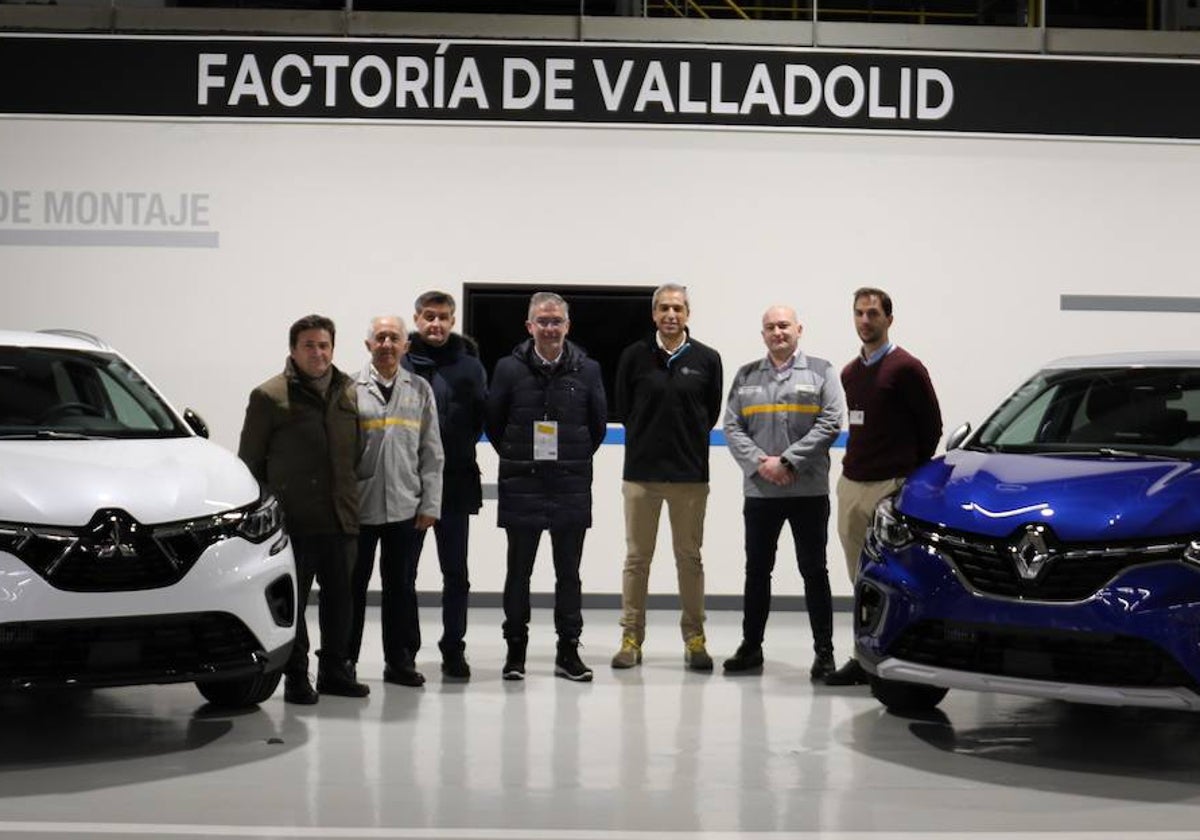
(546, 417)
(450, 363)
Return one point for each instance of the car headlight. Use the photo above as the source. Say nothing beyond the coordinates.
(1192, 553)
(258, 523)
(888, 528)
(254, 523)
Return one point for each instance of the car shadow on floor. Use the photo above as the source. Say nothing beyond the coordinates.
(1130, 754)
(76, 740)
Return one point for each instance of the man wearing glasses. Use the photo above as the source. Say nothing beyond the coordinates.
(546, 417)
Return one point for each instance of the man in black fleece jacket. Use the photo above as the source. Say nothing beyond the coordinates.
(668, 394)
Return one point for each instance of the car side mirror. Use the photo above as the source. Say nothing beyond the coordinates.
(196, 422)
(955, 439)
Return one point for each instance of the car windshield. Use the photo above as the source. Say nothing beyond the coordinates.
(1144, 411)
(61, 394)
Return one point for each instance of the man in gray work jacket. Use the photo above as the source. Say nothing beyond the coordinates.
(402, 497)
(783, 414)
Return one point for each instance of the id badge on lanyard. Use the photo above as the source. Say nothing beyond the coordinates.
(545, 440)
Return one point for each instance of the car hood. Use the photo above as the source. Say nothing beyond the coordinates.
(64, 482)
(1081, 498)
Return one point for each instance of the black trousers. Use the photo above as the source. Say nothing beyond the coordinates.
(452, 533)
(330, 559)
(399, 549)
(567, 549)
(808, 517)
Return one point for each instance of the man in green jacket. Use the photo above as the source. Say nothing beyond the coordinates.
(301, 439)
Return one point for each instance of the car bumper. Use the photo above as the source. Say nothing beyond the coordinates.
(1179, 698)
(1136, 641)
(233, 614)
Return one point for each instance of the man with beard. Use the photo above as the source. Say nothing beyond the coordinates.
(895, 423)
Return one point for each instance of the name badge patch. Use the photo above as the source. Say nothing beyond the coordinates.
(545, 440)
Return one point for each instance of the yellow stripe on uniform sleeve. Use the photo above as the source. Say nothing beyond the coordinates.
(777, 408)
(384, 422)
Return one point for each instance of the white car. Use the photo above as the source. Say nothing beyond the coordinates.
(132, 549)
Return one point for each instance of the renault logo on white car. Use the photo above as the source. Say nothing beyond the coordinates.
(1031, 553)
(113, 537)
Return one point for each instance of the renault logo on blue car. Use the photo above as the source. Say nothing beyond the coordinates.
(1031, 553)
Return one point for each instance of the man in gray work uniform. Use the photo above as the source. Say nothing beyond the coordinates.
(783, 413)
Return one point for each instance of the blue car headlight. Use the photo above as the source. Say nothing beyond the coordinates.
(1192, 553)
(888, 529)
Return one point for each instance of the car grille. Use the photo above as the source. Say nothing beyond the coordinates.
(112, 553)
(1082, 658)
(1074, 573)
(110, 650)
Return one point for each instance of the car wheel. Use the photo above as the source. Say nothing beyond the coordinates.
(905, 697)
(241, 692)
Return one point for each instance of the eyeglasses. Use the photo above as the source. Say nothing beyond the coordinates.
(547, 323)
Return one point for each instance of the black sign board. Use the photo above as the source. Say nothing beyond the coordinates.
(598, 83)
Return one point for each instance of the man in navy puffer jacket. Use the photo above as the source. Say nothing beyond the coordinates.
(546, 417)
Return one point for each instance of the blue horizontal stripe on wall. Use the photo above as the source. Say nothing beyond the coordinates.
(615, 436)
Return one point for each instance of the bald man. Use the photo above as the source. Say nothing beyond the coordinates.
(783, 413)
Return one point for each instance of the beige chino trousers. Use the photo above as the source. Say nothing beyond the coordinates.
(856, 508)
(686, 503)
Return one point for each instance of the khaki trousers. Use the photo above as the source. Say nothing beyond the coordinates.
(686, 503)
(856, 508)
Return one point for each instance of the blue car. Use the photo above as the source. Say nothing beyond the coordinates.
(1054, 552)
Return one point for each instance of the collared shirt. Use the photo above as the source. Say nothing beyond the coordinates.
(379, 378)
(547, 362)
(385, 384)
(782, 370)
(671, 354)
(878, 354)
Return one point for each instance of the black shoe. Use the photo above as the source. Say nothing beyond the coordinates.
(822, 666)
(568, 664)
(849, 674)
(339, 680)
(455, 667)
(299, 690)
(748, 659)
(405, 674)
(514, 662)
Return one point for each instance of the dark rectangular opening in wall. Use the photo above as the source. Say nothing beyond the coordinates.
(604, 321)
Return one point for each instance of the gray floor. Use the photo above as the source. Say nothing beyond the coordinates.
(650, 753)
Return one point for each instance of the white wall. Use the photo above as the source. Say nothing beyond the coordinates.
(975, 238)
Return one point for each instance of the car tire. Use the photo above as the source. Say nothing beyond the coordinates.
(241, 692)
(905, 697)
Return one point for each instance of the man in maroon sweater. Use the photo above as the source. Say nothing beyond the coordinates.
(895, 424)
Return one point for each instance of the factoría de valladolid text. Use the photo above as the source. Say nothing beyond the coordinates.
(638, 87)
